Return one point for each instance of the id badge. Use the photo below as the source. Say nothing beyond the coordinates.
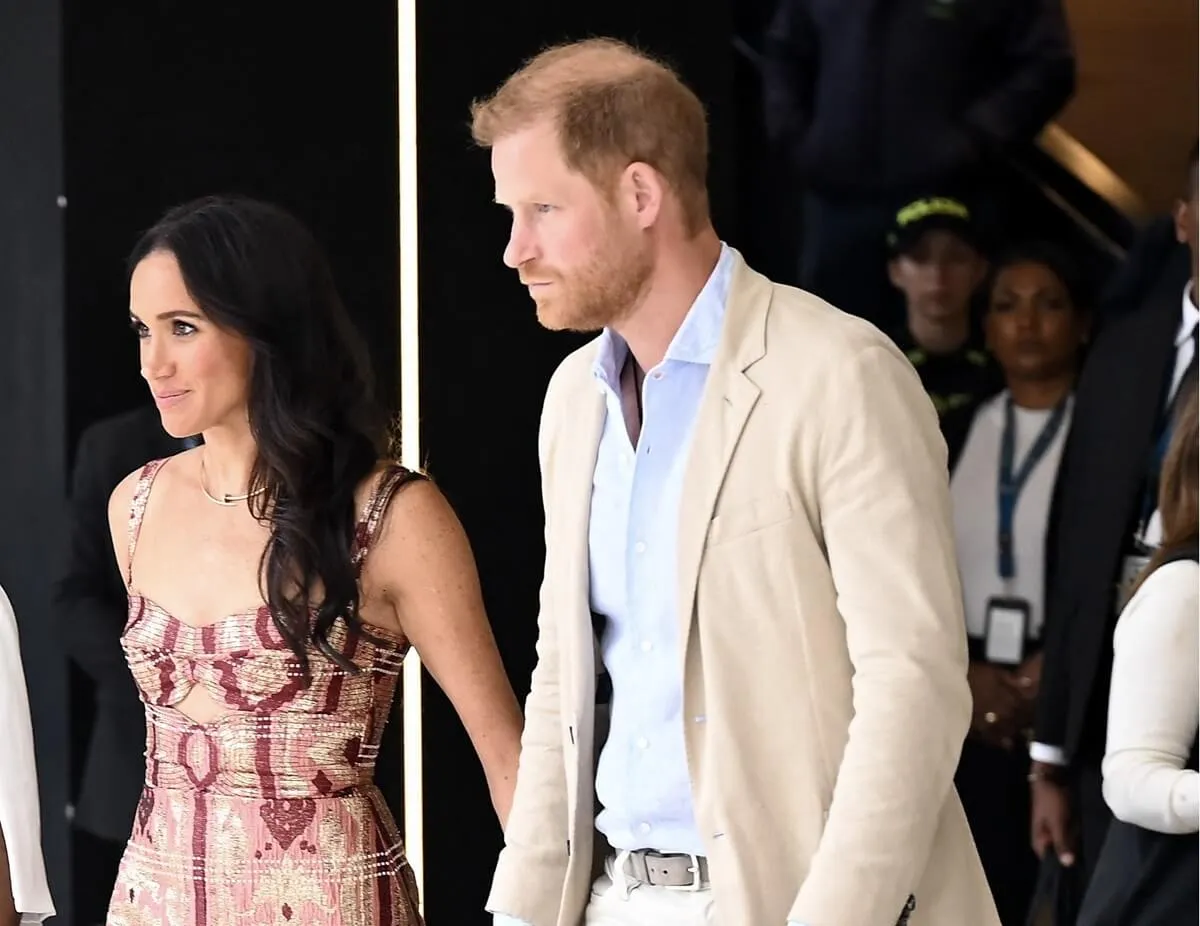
(1007, 627)
(1132, 567)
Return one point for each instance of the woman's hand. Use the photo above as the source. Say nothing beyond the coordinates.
(422, 564)
(999, 707)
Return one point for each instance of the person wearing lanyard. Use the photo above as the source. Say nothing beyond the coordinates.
(1036, 324)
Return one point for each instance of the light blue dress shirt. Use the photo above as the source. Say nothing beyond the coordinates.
(642, 779)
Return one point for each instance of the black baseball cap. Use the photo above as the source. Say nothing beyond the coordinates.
(925, 214)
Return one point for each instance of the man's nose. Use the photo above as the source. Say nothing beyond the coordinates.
(521, 247)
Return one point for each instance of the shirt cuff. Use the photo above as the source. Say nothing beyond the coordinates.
(499, 919)
(1051, 755)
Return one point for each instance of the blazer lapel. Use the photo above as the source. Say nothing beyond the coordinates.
(1136, 405)
(573, 502)
(729, 396)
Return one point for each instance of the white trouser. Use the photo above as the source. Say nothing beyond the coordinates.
(619, 900)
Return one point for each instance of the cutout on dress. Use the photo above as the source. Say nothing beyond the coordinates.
(200, 707)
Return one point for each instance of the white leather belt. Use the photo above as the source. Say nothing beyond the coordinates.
(683, 872)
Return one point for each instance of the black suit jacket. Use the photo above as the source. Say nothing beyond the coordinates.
(1100, 491)
(91, 606)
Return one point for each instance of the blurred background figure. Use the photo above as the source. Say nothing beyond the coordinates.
(91, 609)
(936, 262)
(1002, 485)
(877, 101)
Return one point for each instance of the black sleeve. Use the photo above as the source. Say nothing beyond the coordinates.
(1054, 696)
(90, 601)
(1039, 76)
(789, 72)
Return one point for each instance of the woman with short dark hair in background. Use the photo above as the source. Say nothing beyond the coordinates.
(1147, 874)
(1036, 322)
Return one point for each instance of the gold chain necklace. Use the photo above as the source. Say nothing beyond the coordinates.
(227, 500)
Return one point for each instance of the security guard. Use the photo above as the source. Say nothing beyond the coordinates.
(936, 262)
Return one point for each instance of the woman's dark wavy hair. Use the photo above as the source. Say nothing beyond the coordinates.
(257, 271)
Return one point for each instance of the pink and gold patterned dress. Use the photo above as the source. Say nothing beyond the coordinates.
(267, 814)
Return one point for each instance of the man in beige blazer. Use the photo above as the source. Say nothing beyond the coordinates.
(748, 538)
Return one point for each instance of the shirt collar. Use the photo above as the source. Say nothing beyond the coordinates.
(695, 341)
(1191, 316)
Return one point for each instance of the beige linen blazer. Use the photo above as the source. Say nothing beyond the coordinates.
(823, 648)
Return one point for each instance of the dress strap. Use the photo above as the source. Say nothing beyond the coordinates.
(367, 528)
(137, 511)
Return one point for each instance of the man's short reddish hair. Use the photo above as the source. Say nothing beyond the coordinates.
(612, 106)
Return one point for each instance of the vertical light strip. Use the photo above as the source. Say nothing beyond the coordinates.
(410, 417)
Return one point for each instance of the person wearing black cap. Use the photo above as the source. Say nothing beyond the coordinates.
(937, 262)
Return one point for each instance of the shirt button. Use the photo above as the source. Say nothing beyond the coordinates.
(647, 646)
(700, 718)
(643, 743)
(645, 827)
(659, 374)
(639, 547)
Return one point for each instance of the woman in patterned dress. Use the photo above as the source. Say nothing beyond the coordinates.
(277, 575)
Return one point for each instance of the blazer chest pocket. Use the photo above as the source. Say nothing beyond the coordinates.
(739, 518)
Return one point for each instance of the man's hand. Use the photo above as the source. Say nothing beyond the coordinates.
(999, 710)
(1051, 826)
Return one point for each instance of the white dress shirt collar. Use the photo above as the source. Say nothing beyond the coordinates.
(1190, 317)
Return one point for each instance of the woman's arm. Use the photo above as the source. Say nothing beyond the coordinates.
(423, 562)
(1153, 705)
(23, 883)
(8, 906)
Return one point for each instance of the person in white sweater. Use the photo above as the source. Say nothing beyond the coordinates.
(1154, 703)
(1153, 706)
(24, 892)
(1147, 873)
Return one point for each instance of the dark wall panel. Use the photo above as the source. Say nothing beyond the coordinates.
(168, 101)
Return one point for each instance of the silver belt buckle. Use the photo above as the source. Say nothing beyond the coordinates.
(667, 865)
(697, 882)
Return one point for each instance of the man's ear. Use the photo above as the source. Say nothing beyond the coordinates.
(643, 191)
